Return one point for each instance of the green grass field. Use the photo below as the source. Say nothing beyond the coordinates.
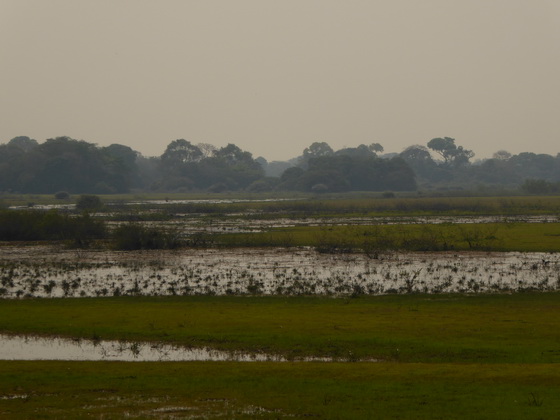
(109, 390)
(520, 328)
(441, 356)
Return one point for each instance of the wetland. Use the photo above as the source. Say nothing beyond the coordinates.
(439, 292)
(50, 272)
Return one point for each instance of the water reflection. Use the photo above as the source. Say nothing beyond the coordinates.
(55, 348)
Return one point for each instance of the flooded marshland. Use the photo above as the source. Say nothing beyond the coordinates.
(52, 271)
(187, 224)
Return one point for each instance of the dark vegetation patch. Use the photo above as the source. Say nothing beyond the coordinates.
(134, 236)
(51, 225)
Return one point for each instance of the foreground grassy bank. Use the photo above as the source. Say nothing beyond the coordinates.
(519, 328)
(108, 390)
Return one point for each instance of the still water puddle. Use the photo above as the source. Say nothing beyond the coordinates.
(55, 348)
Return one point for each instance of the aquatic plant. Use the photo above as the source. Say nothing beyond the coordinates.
(274, 271)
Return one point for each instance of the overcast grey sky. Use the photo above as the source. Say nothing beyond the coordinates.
(275, 76)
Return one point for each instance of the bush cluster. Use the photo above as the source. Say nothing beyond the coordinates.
(30, 225)
(88, 202)
(134, 236)
(25, 225)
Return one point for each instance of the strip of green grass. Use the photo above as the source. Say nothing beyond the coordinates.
(109, 390)
(522, 237)
(519, 328)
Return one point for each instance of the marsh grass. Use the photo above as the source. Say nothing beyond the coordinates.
(332, 236)
(18, 225)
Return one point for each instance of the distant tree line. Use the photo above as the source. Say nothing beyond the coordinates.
(456, 169)
(321, 169)
(65, 165)
(185, 166)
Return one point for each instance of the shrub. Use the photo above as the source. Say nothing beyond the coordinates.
(62, 195)
(134, 236)
(84, 229)
(22, 225)
(539, 186)
(88, 203)
(319, 188)
(259, 186)
(218, 188)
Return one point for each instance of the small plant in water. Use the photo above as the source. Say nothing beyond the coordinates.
(534, 400)
(135, 349)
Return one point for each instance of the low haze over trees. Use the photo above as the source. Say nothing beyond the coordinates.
(63, 164)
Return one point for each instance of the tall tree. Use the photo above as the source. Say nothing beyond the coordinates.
(24, 143)
(180, 165)
(317, 149)
(375, 148)
(449, 151)
(180, 152)
(361, 151)
(230, 168)
(207, 149)
(501, 155)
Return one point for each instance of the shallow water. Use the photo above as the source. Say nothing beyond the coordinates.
(53, 272)
(55, 348)
(154, 202)
(210, 201)
(189, 224)
(44, 207)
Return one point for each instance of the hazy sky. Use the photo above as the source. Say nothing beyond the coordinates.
(273, 76)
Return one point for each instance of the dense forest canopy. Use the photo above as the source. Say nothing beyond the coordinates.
(76, 166)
